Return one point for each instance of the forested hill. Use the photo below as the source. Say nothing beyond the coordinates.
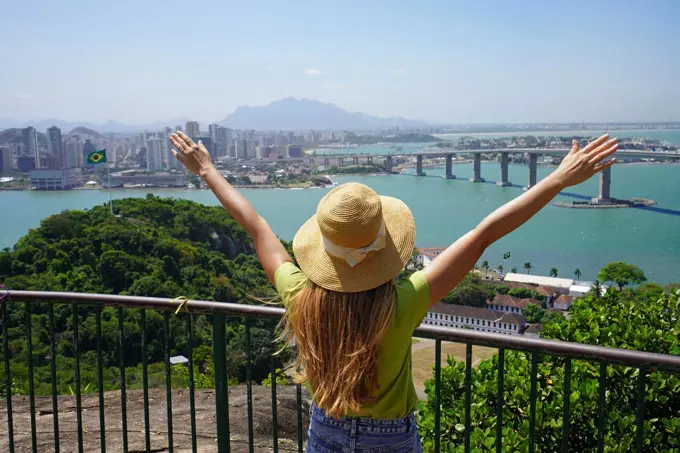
(152, 247)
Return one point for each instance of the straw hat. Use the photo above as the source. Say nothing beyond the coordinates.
(356, 241)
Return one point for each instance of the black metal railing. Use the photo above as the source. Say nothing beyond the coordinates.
(606, 357)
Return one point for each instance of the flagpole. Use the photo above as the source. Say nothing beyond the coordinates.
(108, 173)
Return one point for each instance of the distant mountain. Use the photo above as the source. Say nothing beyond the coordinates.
(83, 131)
(304, 114)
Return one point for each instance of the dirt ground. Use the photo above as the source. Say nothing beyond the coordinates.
(423, 359)
(205, 421)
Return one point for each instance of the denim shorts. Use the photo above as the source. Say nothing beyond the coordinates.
(361, 435)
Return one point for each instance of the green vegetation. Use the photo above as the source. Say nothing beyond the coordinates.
(536, 314)
(528, 267)
(153, 247)
(623, 274)
(527, 293)
(553, 272)
(577, 273)
(369, 168)
(633, 319)
(471, 291)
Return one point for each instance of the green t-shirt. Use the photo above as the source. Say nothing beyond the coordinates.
(396, 397)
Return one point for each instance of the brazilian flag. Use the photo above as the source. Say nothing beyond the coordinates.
(506, 256)
(97, 157)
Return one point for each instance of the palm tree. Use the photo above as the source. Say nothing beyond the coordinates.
(485, 266)
(500, 269)
(577, 274)
(528, 267)
(553, 272)
(513, 270)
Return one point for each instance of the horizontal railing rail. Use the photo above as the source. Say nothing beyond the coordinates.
(645, 362)
(624, 357)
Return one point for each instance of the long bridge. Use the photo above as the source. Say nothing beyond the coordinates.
(605, 176)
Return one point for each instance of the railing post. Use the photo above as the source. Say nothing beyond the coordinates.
(76, 353)
(468, 395)
(298, 400)
(221, 389)
(100, 380)
(437, 394)
(53, 372)
(31, 390)
(499, 403)
(640, 421)
(275, 423)
(249, 387)
(123, 394)
(192, 402)
(600, 407)
(8, 377)
(532, 402)
(566, 400)
(168, 379)
(145, 381)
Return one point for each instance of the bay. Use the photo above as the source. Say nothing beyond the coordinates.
(444, 210)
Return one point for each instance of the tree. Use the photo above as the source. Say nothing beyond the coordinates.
(485, 266)
(533, 313)
(500, 269)
(577, 273)
(528, 267)
(513, 270)
(471, 291)
(623, 274)
(553, 272)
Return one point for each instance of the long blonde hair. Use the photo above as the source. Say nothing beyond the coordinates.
(338, 338)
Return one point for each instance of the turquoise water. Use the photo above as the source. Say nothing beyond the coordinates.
(668, 136)
(446, 209)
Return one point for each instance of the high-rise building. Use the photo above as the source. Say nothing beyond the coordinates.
(222, 142)
(192, 129)
(155, 148)
(291, 138)
(251, 148)
(240, 148)
(31, 145)
(212, 131)
(5, 160)
(54, 147)
(73, 152)
(88, 148)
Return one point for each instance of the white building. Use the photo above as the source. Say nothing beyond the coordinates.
(561, 285)
(428, 254)
(482, 319)
(55, 179)
(505, 303)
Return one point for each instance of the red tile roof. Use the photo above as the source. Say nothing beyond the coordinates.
(509, 301)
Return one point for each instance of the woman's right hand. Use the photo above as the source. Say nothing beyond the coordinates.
(193, 156)
(580, 164)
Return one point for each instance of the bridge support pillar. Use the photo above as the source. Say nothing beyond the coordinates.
(419, 166)
(369, 160)
(605, 186)
(326, 161)
(449, 167)
(389, 163)
(478, 169)
(533, 166)
(504, 182)
(355, 160)
(341, 162)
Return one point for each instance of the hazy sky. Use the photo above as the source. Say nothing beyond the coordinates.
(464, 62)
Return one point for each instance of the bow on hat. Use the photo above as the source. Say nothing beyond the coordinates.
(355, 256)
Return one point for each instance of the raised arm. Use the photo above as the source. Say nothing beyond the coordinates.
(196, 158)
(449, 268)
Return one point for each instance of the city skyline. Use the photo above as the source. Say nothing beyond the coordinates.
(443, 62)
